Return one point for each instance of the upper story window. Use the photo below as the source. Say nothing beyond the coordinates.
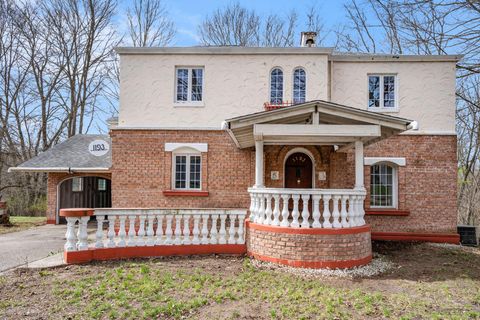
(381, 92)
(189, 85)
(299, 85)
(187, 171)
(383, 191)
(276, 86)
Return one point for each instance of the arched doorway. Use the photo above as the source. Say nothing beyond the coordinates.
(298, 171)
(84, 192)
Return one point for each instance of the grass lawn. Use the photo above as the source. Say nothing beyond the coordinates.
(426, 282)
(22, 223)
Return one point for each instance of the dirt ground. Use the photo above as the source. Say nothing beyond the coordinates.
(425, 281)
(22, 223)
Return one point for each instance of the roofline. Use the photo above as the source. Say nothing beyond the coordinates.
(57, 169)
(314, 102)
(392, 57)
(224, 50)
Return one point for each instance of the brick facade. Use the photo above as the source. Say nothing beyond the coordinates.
(142, 171)
(311, 248)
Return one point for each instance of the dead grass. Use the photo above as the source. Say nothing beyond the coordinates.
(22, 223)
(427, 282)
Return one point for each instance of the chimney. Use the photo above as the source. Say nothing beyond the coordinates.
(308, 39)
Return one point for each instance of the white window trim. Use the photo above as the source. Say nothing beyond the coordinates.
(187, 170)
(370, 161)
(382, 108)
(394, 186)
(189, 102)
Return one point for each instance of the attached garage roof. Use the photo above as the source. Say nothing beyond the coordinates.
(72, 155)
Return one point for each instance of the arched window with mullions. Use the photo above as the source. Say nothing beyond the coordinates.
(299, 85)
(276, 86)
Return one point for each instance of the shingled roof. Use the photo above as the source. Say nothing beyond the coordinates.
(72, 155)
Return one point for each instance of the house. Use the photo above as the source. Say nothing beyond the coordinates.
(322, 151)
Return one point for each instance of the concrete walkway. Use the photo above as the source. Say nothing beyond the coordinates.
(24, 247)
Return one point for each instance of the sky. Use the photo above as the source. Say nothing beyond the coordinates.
(188, 14)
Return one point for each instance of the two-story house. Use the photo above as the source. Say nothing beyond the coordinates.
(320, 147)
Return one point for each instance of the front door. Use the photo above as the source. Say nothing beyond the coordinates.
(298, 171)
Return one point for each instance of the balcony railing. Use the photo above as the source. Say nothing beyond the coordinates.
(152, 227)
(273, 106)
(307, 208)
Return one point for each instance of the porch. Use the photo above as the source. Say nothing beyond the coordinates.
(301, 214)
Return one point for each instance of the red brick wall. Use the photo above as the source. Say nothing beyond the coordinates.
(426, 185)
(142, 170)
(309, 250)
(54, 178)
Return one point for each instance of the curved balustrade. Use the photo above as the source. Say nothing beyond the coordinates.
(307, 208)
(151, 227)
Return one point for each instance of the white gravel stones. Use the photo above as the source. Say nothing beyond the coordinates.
(378, 265)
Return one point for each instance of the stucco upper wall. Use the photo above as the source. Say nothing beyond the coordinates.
(234, 85)
(426, 90)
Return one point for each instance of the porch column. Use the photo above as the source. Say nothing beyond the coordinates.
(359, 184)
(259, 164)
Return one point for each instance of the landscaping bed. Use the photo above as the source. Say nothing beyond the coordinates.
(422, 281)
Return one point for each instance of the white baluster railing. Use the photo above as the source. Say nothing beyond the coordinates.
(307, 208)
(153, 227)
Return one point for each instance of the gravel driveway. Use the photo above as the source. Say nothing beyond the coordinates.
(19, 248)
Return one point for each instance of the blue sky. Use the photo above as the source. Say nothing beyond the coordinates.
(188, 14)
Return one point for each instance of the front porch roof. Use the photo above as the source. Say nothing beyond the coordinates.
(334, 124)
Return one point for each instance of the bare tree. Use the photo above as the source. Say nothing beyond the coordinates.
(236, 25)
(232, 25)
(430, 27)
(84, 36)
(149, 25)
(279, 32)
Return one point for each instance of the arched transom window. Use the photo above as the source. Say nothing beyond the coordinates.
(299, 85)
(276, 86)
(382, 186)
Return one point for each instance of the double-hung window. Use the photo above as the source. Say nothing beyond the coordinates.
(383, 188)
(189, 85)
(382, 92)
(187, 171)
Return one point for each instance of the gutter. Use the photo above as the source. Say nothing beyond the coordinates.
(57, 169)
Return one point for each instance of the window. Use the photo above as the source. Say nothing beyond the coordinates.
(102, 185)
(276, 86)
(189, 85)
(299, 85)
(381, 91)
(187, 171)
(77, 184)
(383, 186)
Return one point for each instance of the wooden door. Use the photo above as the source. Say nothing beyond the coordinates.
(298, 171)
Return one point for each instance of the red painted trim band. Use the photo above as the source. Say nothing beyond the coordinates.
(181, 193)
(325, 231)
(387, 212)
(345, 264)
(76, 212)
(417, 236)
(154, 251)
